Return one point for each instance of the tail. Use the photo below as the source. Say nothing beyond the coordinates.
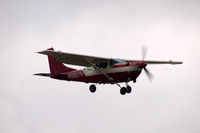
(57, 67)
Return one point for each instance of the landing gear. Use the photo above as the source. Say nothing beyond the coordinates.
(125, 90)
(92, 88)
(128, 89)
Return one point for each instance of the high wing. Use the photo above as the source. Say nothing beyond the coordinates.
(156, 62)
(75, 59)
(85, 60)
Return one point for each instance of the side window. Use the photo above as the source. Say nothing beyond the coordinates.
(103, 65)
(91, 68)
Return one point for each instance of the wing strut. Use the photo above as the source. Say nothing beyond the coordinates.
(109, 78)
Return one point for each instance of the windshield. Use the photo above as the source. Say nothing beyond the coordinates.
(116, 61)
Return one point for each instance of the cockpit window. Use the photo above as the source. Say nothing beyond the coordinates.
(116, 61)
(103, 65)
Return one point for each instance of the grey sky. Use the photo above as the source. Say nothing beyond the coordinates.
(108, 28)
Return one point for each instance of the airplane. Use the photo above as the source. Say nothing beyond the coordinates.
(98, 70)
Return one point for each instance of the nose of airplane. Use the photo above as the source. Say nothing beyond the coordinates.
(143, 65)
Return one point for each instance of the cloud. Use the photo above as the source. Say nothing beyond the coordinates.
(11, 121)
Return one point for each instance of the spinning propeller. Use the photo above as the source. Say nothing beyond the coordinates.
(148, 73)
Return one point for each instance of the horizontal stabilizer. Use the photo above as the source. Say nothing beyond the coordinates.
(50, 75)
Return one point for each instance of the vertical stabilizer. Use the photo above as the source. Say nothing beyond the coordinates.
(57, 67)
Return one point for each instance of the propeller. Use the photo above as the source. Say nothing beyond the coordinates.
(144, 52)
(148, 73)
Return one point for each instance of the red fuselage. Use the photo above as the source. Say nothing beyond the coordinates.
(121, 72)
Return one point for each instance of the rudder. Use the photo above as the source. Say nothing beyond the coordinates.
(57, 67)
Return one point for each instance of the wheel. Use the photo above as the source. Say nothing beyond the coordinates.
(128, 89)
(92, 88)
(123, 90)
(134, 81)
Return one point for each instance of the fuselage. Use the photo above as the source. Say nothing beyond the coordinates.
(121, 72)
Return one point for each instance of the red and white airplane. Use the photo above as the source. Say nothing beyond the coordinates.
(97, 70)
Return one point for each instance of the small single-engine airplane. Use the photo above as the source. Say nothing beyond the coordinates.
(97, 70)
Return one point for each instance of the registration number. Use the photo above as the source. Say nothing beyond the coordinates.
(74, 75)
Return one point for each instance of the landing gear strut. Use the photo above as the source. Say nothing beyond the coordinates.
(92, 88)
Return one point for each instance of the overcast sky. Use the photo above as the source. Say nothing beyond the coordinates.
(108, 28)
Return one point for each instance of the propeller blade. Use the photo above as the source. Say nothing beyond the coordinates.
(149, 74)
(144, 52)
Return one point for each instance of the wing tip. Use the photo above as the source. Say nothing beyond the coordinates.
(175, 62)
(40, 52)
(44, 51)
